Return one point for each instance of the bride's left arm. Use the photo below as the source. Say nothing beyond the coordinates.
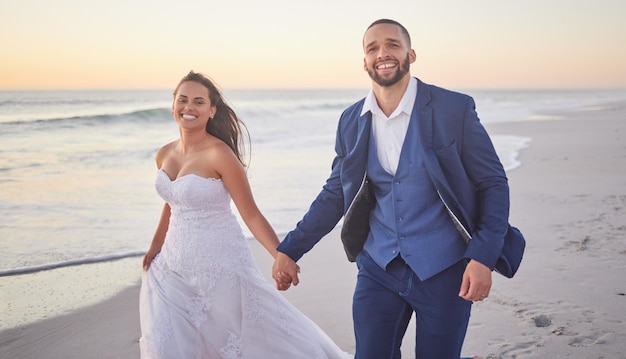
(235, 180)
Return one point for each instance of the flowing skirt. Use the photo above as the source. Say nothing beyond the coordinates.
(228, 315)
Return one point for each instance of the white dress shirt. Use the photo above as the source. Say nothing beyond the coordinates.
(389, 132)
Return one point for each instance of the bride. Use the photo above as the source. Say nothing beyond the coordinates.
(202, 295)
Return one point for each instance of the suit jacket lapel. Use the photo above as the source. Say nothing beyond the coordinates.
(355, 163)
(424, 118)
(433, 167)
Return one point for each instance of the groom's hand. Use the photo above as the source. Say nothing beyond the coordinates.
(476, 283)
(285, 271)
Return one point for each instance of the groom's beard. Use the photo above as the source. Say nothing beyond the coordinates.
(402, 70)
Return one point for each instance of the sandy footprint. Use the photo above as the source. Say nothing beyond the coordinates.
(543, 329)
(599, 233)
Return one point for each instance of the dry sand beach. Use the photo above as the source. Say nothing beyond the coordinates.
(567, 301)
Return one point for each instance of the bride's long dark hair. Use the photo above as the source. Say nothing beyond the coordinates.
(225, 125)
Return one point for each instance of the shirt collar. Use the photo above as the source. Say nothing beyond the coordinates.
(405, 105)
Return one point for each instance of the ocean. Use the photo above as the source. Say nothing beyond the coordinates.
(77, 167)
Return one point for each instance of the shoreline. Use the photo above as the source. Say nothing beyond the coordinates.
(569, 199)
(568, 299)
(114, 318)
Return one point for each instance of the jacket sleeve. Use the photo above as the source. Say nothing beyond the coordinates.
(488, 178)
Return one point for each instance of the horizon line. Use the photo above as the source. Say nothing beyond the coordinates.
(529, 88)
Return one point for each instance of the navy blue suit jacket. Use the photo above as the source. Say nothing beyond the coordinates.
(460, 160)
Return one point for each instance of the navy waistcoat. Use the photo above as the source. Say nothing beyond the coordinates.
(409, 214)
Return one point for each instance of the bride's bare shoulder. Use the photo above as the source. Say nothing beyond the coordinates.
(164, 152)
(218, 149)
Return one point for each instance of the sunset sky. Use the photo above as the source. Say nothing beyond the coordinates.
(308, 44)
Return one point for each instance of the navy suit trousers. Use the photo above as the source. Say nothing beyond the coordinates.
(384, 301)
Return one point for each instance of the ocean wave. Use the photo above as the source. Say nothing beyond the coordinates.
(151, 114)
(323, 106)
(508, 148)
(87, 260)
(69, 263)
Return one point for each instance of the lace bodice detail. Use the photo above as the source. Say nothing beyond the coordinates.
(193, 196)
(200, 233)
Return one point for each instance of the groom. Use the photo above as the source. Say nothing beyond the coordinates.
(425, 153)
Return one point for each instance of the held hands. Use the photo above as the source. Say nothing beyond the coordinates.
(285, 271)
(476, 282)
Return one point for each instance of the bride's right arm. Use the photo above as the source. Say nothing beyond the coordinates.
(164, 221)
(159, 237)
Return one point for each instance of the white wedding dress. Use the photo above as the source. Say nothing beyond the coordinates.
(203, 295)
